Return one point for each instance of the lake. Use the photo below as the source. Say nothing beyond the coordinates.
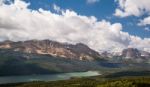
(53, 77)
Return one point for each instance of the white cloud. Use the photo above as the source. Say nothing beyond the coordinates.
(143, 44)
(145, 21)
(56, 8)
(17, 22)
(92, 1)
(1, 2)
(132, 7)
(147, 29)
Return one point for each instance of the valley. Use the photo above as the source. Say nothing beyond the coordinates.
(60, 63)
(126, 79)
(74, 43)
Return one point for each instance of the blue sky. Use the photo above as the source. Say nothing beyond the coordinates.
(103, 9)
(96, 23)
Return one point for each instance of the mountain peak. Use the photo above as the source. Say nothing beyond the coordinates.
(78, 51)
(131, 53)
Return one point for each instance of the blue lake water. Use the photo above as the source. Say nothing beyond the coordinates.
(53, 77)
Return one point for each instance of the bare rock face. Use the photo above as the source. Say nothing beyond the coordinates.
(145, 55)
(131, 53)
(78, 51)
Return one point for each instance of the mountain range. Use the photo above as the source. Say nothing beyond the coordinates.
(77, 51)
(46, 47)
(46, 56)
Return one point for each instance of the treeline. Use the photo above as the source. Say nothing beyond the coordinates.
(128, 82)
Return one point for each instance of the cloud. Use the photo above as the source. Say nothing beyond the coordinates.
(132, 7)
(145, 21)
(57, 8)
(147, 29)
(18, 23)
(92, 1)
(1, 2)
(139, 43)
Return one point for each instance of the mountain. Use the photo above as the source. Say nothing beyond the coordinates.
(128, 56)
(20, 63)
(145, 54)
(106, 54)
(48, 57)
(131, 53)
(78, 51)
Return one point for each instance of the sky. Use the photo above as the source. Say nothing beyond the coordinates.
(103, 25)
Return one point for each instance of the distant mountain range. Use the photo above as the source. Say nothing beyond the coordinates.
(78, 51)
(129, 55)
(46, 57)
(135, 53)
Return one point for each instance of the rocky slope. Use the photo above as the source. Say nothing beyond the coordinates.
(131, 53)
(135, 53)
(78, 51)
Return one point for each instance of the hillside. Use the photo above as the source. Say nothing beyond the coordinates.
(78, 51)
